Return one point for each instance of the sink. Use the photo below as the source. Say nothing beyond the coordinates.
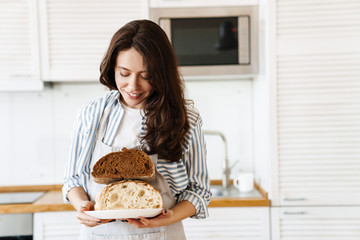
(232, 192)
(19, 197)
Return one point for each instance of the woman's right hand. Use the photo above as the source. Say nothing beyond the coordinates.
(80, 200)
(88, 220)
(84, 218)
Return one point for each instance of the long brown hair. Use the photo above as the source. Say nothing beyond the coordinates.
(165, 109)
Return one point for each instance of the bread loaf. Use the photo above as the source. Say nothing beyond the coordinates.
(128, 194)
(123, 165)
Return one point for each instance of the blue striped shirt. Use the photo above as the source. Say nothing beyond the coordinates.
(188, 178)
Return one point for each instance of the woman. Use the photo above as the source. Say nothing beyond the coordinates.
(145, 109)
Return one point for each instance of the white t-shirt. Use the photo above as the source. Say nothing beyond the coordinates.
(129, 129)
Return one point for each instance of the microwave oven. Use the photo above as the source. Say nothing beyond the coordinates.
(212, 40)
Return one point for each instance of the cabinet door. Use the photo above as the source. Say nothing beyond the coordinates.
(200, 3)
(76, 34)
(318, 98)
(230, 223)
(320, 223)
(19, 47)
(56, 226)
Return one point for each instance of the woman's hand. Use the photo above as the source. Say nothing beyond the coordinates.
(80, 200)
(180, 211)
(88, 220)
(161, 220)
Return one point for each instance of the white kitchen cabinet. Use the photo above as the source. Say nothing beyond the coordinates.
(19, 46)
(317, 91)
(56, 226)
(200, 3)
(314, 59)
(320, 223)
(75, 35)
(248, 223)
(58, 40)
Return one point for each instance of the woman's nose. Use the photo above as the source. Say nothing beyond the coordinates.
(133, 82)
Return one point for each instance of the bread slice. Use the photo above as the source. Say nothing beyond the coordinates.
(128, 194)
(123, 165)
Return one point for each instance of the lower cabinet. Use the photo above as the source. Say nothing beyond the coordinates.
(248, 223)
(56, 226)
(315, 223)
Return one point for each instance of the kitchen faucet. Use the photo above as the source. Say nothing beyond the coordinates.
(225, 164)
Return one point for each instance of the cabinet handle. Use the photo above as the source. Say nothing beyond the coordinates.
(20, 76)
(294, 199)
(295, 213)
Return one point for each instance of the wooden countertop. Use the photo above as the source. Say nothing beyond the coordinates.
(52, 200)
(260, 201)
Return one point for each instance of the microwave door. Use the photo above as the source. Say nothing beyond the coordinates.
(204, 41)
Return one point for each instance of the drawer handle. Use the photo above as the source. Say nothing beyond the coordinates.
(295, 213)
(294, 199)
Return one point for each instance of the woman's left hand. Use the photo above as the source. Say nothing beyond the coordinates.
(162, 220)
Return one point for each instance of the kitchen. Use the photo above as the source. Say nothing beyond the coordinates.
(297, 114)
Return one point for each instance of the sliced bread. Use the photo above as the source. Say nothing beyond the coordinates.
(128, 194)
(127, 164)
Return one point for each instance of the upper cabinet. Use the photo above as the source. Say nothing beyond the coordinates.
(76, 34)
(19, 48)
(58, 40)
(200, 3)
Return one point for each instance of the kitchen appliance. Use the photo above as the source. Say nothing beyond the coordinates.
(212, 40)
(20, 225)
(16, 226)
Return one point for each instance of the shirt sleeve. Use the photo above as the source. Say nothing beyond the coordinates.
(77, 169)
(72, 178)
(198, 189)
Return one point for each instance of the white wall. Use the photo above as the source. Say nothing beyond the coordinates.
(35, 132)
(262, 99)
(226, 106)
(36, 127)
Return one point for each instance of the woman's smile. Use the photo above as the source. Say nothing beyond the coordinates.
(133, 95)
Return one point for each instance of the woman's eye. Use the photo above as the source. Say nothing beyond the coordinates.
(124, 74)
(145, 77)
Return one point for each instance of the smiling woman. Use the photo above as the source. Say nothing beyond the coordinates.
(145, 109)
(165, 107)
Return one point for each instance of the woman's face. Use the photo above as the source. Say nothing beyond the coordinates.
(131, 78)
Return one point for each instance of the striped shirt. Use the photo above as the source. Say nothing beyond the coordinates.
(187, 178)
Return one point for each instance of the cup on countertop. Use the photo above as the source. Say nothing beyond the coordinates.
(244, 181)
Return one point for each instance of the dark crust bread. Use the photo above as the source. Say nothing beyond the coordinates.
(127, 164)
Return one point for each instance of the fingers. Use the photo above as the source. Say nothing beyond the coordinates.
(88, 220)
(167, 212)
(135, 222)
(160, 220)
(86, 206)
